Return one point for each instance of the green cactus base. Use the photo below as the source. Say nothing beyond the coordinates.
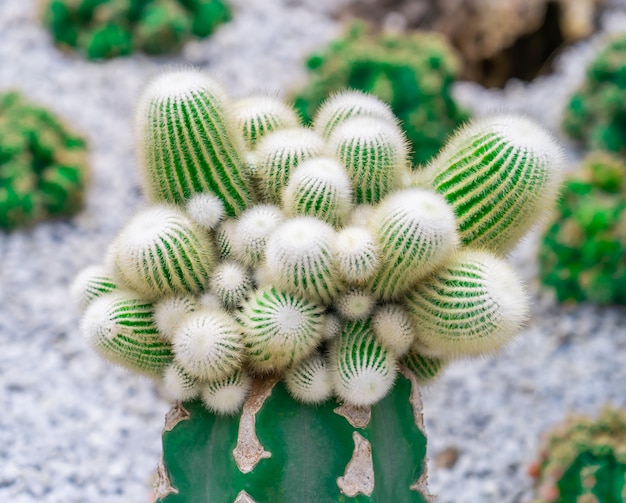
(281, 451)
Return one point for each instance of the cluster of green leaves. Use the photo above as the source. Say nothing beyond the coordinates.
(413, 73)
(110, 28)
(584, 460)
(42, 164)
(596, 114)
(583, 253)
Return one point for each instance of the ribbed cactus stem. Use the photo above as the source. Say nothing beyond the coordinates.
(472, 305)
(374, 153)
(92, 282)
(161, 251)
(189, 141)
(346, 104)
(415, 230)
(259, 115)
(277, 156)
(500, 174)
(319, 188)
(425, 368)
(363, 370)
(279, 329)
(120, 327)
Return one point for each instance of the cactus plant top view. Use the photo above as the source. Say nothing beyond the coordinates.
(109, 28)
(413, 73)
(583, 460)
(43, 165)
(305, 281)
(583, 252)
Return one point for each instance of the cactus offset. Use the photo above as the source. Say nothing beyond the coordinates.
(323, 275)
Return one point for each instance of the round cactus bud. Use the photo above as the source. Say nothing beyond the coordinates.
(208, 345)
(277, 156)
(120, 327)
(363, 371)
(161, 251)
(225, 237)
(226, 396)
(500, 174)
(415, 230)
(259, 115)
(472, 305)
(392, 328)
(190, 143)
(346, 104)
(231, 282)
(206, 210)
(320, 188)
(251, 234)
(356, 255)
(355, 304)
(210, 301)
(279, 329)
(178, 385)
(425, 368)
(170, 312)
(373, 152)
(92, 282)
(299, 256)
(310, 380)
(333, 325)
(361, 215)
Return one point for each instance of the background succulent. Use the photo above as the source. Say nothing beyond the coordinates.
(43, 164)
(413, 73)
(110, 28)
(583, 252)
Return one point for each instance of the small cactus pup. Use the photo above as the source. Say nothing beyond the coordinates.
(102, 29)
(43, 164)
(291, 292)
(582, 255)
(583, 459)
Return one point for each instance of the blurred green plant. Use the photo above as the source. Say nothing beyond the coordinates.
(413, 73)
(596, 114)
(583, 252)
(110, 28)
(583, 460)
(42, 164)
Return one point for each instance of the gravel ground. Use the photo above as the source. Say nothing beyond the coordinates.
(74, 429)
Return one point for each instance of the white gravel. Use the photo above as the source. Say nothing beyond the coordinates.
(73, 429)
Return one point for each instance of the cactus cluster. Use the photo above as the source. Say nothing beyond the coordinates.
(583, 252)
(413, 73)
(596, 114)
(583, 460)
(315, 255)
(109, 28)
(43, 165)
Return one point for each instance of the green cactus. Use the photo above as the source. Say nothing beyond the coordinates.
(596, 114)
(306, 291)
(583, 460)
(582, 256)
(413, 73)
(110, 28)
(43, 165)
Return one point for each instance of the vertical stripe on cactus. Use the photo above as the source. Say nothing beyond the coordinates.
(277, 156)
(120, 327)
(500, 174)
(92, 282)
(319, 188)
(259, 115)
(161, 251)
(425, 368)
(310, 380)
(471, 305)
(374, 153)
(279, 329)
(299, 256)
(225, 236)
(226, 396)
(363, 371)
(190, 143)
(346, 104)
(415, 230)
(356, 255)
